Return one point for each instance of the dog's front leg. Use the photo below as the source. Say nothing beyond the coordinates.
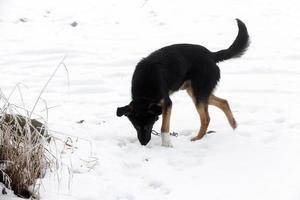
(165, 127)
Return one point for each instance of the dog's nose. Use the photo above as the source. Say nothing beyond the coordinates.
(144, 143)
(144, 140)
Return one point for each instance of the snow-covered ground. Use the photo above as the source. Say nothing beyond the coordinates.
(260, 160)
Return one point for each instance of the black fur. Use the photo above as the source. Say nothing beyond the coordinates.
(165, 70)
(238, 47)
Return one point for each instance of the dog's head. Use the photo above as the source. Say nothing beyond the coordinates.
(142, 116)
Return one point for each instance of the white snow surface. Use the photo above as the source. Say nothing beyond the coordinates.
(260, 160)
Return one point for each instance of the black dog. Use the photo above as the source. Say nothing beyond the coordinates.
(180, 66)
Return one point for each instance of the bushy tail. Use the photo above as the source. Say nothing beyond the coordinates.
(238, 47)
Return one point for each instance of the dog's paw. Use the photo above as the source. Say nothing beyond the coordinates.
(196, 138)
(233, 124)
(167, 144)
(166, 140)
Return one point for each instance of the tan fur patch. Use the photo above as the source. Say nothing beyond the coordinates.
(166, 116)
(204, 120)
(224, 106)
(202, 110)
(185, 85)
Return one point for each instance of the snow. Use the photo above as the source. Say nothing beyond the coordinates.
(260, 160)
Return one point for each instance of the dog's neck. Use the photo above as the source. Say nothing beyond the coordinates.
(144, 100)
(147, 84)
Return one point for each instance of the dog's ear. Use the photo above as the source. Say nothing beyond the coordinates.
(155, 109)
(126, 110)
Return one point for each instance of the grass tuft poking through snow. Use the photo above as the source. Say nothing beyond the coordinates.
(23, 154)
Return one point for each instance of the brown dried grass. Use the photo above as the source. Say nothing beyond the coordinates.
(24, 145)
(23, 153)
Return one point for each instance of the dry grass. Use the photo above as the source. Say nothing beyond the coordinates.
(23, 153)
(24, 145)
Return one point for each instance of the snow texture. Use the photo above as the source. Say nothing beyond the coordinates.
(102, 41)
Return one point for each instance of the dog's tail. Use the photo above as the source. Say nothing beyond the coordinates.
(238, 47)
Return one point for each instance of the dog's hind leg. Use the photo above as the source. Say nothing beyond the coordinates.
(224, 106)
(165, 127)
(202, 109)
(204, 119)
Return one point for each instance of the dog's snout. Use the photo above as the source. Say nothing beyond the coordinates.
(144, 137)
(144, 142)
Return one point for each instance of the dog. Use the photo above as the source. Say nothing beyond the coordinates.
(187, 67)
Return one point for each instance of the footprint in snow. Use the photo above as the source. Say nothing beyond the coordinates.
(23, 20)
(155, 184)
(279, 120)
(158, 185)
(126, 197)
(186, 132)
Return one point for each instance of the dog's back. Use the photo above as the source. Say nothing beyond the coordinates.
(166, 69)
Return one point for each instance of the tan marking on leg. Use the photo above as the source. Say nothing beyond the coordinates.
(185, 85)
(161, 102)
(204, 119)
(166, 115)
(202, 109)
(224, 106)
(190, 92)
